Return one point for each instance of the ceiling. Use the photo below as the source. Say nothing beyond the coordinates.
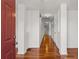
(49, 5)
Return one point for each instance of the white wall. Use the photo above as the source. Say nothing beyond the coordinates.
(42, 31)
(32, 28)
(56, 32)
(60, 29)
(52, 29)
(63, 31)
(27, 28)
(20, 28)
(72, 29)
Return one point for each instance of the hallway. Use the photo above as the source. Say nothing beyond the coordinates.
(35, 18)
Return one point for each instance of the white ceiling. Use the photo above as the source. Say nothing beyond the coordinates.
(49, 5)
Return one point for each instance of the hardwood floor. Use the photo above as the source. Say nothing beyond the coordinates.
(48, 50)
(72, 54)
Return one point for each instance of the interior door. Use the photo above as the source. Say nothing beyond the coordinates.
(8, 29)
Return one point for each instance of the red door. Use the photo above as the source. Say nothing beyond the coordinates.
(8, 29)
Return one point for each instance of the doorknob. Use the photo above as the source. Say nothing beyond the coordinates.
(16, 43)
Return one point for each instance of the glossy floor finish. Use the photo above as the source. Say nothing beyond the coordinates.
(72, 54)
(47, 50)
